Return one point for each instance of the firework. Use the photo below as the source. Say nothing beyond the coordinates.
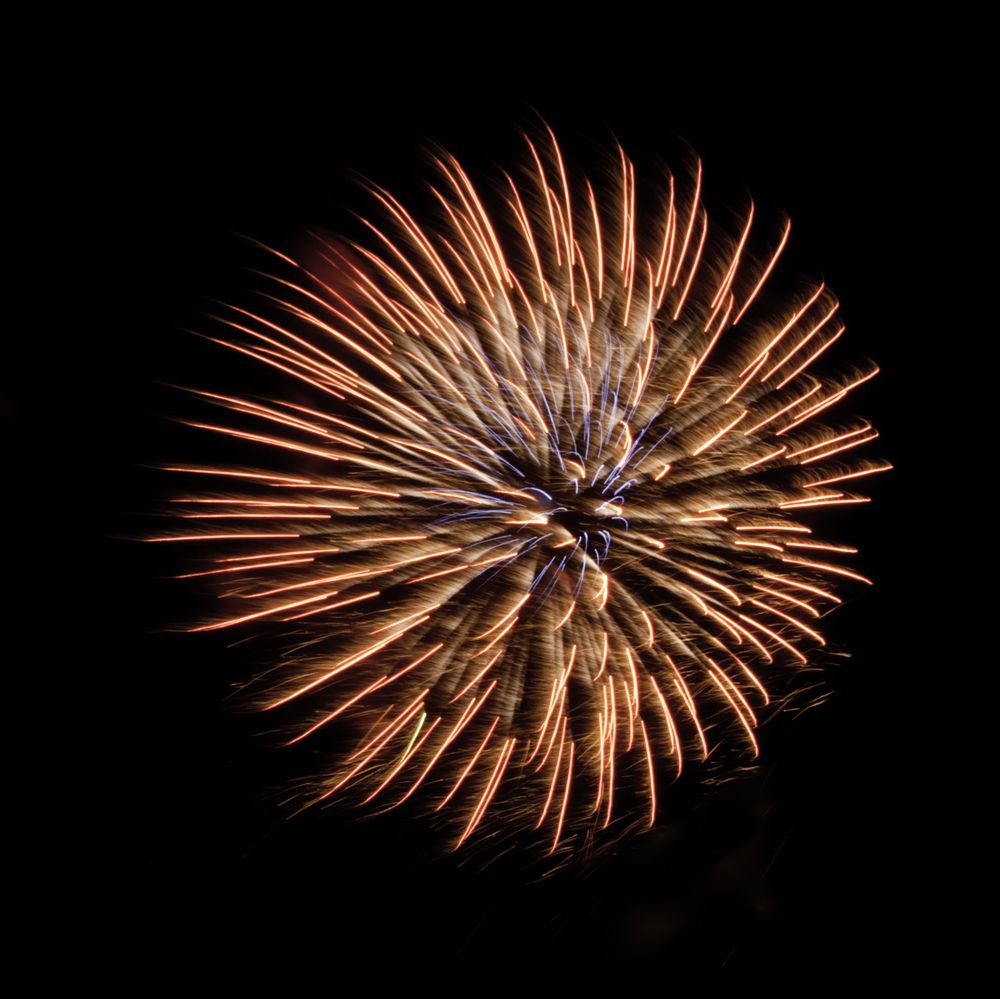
(532, 502)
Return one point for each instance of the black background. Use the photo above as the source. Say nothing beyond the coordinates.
(822, 860)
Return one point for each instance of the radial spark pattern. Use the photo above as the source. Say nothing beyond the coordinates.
(533, 497)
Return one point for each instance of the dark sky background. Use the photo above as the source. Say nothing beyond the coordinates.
(818, 861)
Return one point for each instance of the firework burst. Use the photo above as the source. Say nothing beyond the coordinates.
(533, 506)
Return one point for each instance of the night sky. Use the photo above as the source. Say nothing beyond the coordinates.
(810, 863)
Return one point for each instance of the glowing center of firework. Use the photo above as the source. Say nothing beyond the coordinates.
(589, 515)
(586, 517)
